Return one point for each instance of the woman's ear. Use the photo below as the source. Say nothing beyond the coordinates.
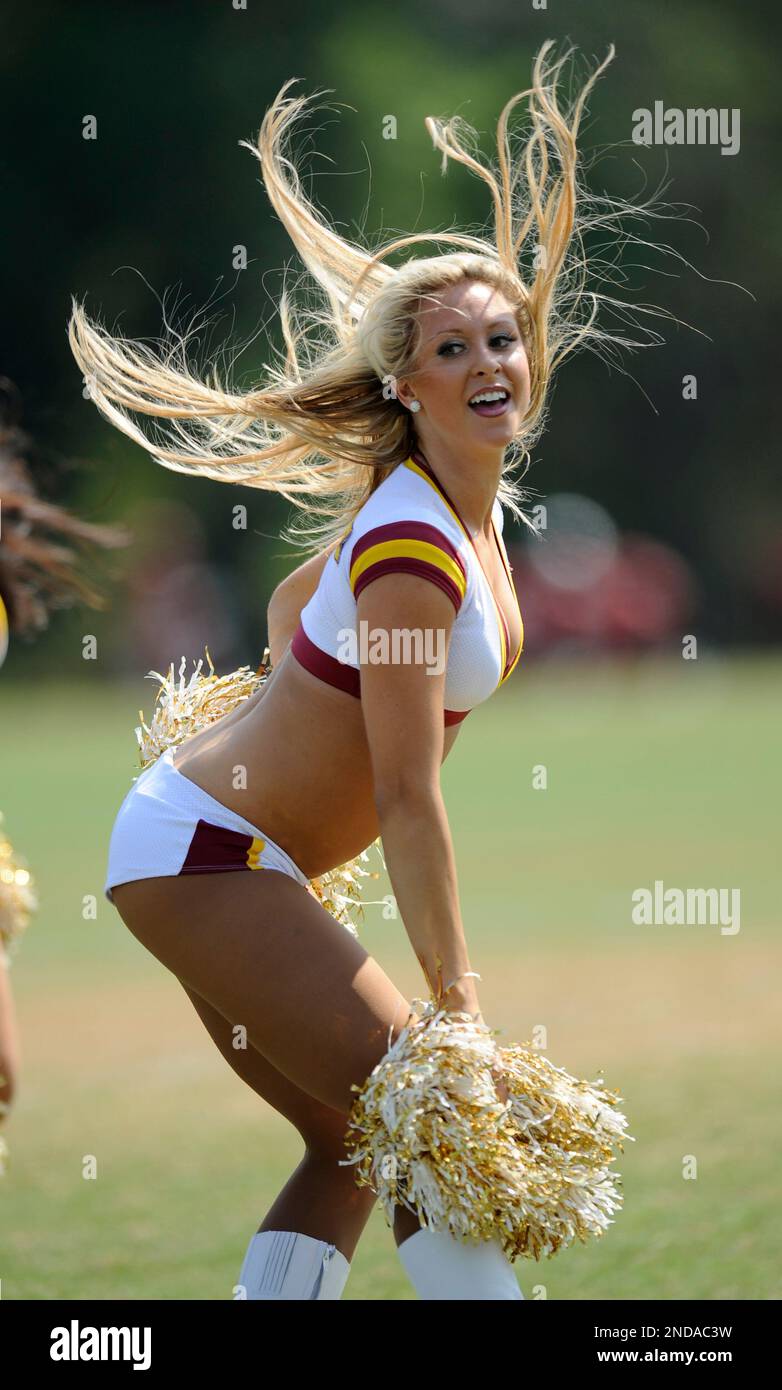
(404, 392)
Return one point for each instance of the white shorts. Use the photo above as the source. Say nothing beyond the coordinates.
(167, 825)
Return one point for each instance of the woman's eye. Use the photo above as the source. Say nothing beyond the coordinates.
(498, 337)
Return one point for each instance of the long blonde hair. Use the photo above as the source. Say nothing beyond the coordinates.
(325, 427)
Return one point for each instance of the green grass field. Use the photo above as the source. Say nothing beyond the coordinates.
(656, 771)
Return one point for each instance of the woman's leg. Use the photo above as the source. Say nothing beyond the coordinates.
(320, 1199)
(267, 956)
(258, 952)
(264, 953)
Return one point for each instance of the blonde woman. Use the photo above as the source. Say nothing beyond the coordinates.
(391, 425)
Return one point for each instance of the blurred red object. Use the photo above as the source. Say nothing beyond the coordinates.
(645, 597)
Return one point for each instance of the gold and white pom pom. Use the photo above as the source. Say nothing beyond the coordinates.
(18, 897)
(186, 707)
(339, 892)
(427, 1130)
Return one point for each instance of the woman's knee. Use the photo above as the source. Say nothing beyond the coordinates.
(327, 1153)
(324, 1140)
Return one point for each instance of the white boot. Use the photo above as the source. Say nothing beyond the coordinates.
(287, 1264)
(440, 1266)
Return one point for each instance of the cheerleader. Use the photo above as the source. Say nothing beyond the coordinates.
(39, 573)
(393, 426)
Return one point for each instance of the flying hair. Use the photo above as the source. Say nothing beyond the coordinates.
(324, 427)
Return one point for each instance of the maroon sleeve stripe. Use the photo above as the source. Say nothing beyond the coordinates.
(401, 565)
(409, 547)
(407, 530)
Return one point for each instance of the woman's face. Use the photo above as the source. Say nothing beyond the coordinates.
(470, 342)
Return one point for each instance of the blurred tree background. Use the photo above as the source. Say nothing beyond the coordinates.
(143, 221)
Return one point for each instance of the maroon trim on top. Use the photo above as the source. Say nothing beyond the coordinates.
(427, 467)
(455, 716)
(506, 568)
(333, 672)
(326, 667)
(505, 628)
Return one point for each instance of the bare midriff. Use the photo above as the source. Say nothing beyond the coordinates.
(297, 766)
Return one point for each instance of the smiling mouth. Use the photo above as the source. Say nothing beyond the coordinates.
(493, 406)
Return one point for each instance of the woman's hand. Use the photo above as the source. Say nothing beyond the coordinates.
(461, 1007)
(499, 1084)
(496, 1067)
(468, 1003)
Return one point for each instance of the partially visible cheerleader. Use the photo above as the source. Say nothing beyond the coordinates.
(39, 573)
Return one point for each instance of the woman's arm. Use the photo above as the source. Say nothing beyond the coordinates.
(288, 599)
(402, 704)
(282, 618)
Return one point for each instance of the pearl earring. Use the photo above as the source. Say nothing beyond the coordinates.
(415, 405)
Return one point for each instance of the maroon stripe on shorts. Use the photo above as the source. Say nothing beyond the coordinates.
(214, 848)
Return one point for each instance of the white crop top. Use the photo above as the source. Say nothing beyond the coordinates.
(409, 525)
